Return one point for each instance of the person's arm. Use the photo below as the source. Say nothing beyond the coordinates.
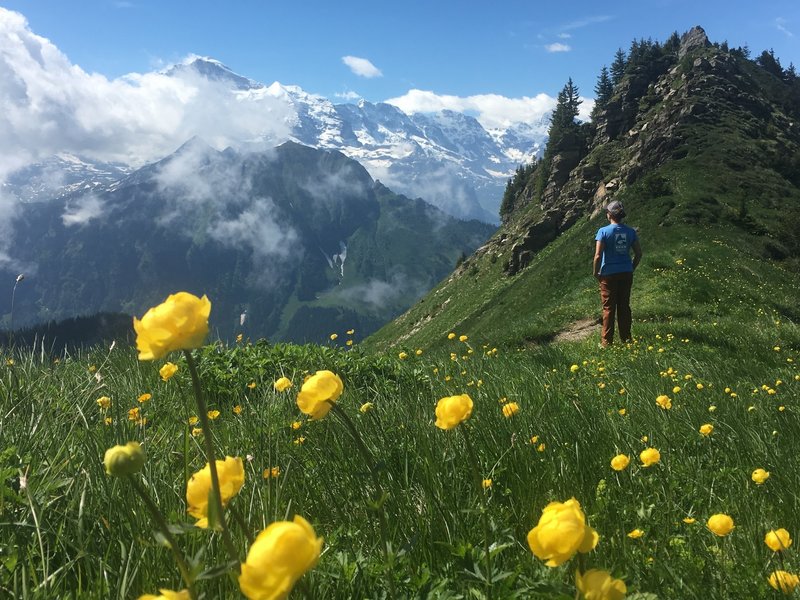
(637, 254)
(599, 246)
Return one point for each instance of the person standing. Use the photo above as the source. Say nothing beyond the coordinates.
(613, 268)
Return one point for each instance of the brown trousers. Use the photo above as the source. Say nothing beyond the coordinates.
(615, 294)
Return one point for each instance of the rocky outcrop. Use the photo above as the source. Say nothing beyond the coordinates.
(693, 39)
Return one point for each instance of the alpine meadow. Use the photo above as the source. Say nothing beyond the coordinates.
(481, 445)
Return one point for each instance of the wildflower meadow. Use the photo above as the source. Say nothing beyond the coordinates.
(189, 468)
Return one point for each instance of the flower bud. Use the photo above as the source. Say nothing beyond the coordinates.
(124, 460)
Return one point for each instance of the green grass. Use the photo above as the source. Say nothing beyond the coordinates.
(72, 531)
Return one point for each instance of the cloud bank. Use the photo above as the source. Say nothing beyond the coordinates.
(493, 111)
(50, 105)
(558, 47)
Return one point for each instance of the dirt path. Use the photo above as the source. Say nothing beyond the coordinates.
(579, 330)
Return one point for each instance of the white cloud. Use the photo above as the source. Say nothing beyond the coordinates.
(349, 95)
(564, 36)
(585, 21)
(362, 67)
(781, 23)
(51, 105)
(558, 47)
(493, 111)
(82, 210)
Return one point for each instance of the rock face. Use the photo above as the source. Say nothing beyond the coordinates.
(692, 40)
(646, 123)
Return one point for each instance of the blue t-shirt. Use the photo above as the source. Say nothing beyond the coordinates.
(618, 239)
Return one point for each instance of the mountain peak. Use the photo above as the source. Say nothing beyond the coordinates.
(213, 70)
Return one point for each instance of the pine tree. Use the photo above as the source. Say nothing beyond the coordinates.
(604, 89)
(770, 63)
(618, 67)
(566, 110)
(673, 44)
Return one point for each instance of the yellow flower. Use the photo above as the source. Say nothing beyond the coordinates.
(192, 420)
(486, 483)
(462, 338)
(635, 534)
(351, 331)
(620, 462)
(318, 393)
(237, 410)
(108, 420)
(720, 524)
(167, 371)
(664, 402)
(180, 322)
(280, 555)
(784, 581)
(213, 414)
(167, 595)
(622, 412)
(574, 368)
(349, 343)
(251, 385)
(239, 338)
(402, 356)
(92, 368)
(418, 352)
(366, 407)
(124, 460)
(334, 336)
(599, 585)
(296, 425)
(561, 532)
(699, 386)
(299, 441)
(231, 479)
(104, 402)
(534, 439)
(778, 539)
(712, 408)
(451, 336)
(689, 520)
(759, 476)
(282, 384)
(196, 431)
(649, 457)
(144, 398)
(541, 447)
(676, 389)
(272, 472)
(133, 414)
(706, 429)
(452, 410)
(510, 409)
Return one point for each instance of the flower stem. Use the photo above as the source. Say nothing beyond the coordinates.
(484, 509)
(369, 459)
(164, 529)
(212, 463)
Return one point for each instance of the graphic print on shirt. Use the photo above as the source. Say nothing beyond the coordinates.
(620, 243)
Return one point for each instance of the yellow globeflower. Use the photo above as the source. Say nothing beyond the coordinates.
(167, 595)
(778, 539)
(452, 410)
(402, 356)
(783, 581)
(635, 534)
(706, 429)
(104, 402)
(649, 457)
(759, 476)
(178, 323)
(599, 585)
(366, 407)
(561, 532)
(213, 415)
(231, 479)
(510, 409)
(720, 524)
(574, 368)
(318, 392)
(486, 483)
(462, 338)
(451, 336)
(620, 462)
(124, 460)
(664, 402)
(282, 384)
(145, 398)
(280, 555)
(167, 371)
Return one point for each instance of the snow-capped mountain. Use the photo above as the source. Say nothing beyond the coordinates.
(446, 158)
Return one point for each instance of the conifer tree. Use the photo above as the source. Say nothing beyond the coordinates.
(618, 66)
(604, 89)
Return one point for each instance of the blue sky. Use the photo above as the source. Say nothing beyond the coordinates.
(458, 48)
